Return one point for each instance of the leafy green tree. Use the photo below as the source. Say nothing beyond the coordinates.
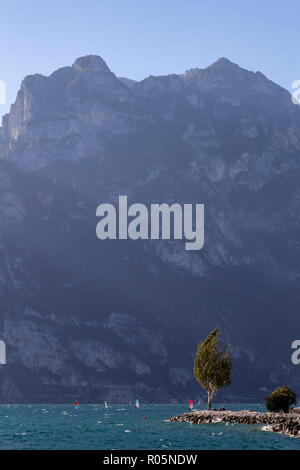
(213, 365)
(281, 399)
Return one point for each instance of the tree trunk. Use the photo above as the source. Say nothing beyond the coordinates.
(211, 395)
(209, 400)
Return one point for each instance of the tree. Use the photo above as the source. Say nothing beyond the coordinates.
(281, 399)
(213, 365)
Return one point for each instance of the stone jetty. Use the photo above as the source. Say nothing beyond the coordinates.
(287, 423)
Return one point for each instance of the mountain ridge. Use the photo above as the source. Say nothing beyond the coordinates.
(96, 59)
(111, 320)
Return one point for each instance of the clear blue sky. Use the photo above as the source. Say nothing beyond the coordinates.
(141, 37)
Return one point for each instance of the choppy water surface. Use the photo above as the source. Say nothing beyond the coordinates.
(124, 427)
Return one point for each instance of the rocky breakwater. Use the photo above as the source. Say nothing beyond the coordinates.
(287, 423)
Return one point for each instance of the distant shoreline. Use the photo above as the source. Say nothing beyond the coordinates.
(285, 423)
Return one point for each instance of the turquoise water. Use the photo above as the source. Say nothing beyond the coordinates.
(124, 427)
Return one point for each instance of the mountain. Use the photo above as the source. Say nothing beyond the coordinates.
(111, 320)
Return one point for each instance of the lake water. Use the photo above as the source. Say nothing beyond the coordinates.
(124, 427)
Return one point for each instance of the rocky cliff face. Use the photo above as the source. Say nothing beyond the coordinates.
(110, 320)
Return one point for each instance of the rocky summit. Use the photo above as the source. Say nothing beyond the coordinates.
(93, 320)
